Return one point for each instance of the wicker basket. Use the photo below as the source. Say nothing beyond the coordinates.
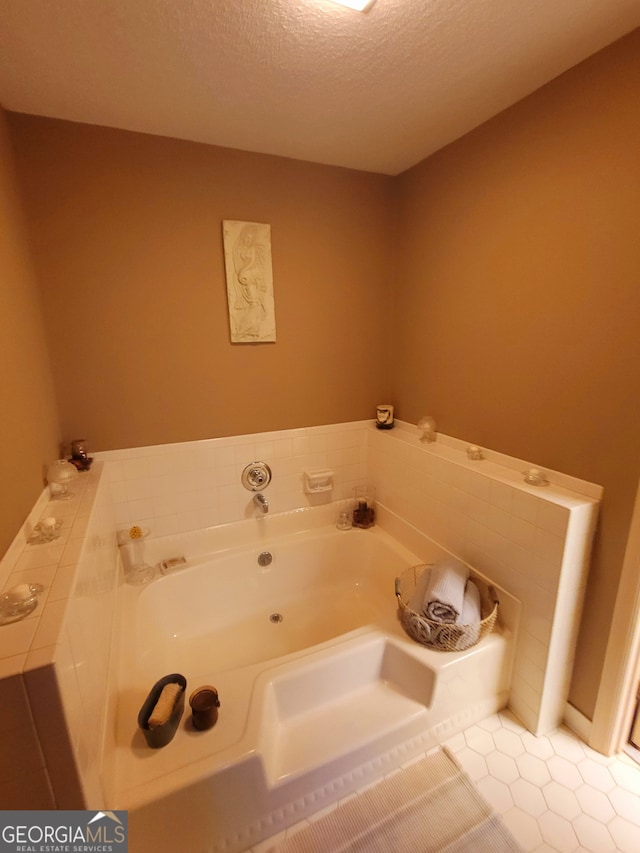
(441, 635)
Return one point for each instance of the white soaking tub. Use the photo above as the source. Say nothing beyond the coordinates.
(320, 689)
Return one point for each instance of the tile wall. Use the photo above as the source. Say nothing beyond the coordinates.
(533, 540)
(55, 688)
(178, 487)
(87, 645)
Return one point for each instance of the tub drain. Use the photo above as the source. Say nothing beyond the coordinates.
(276, 617)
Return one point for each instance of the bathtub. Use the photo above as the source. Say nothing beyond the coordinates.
(295, 623)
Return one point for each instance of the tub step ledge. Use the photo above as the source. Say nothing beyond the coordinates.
(353, 702)
(330, 734)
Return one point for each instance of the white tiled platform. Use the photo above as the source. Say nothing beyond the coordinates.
(554, 792)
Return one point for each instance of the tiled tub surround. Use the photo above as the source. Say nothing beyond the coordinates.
(520, 536)
(533, 540)
(173, 488)
(56, 678)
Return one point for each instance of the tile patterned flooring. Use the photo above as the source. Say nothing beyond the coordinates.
(554, 793)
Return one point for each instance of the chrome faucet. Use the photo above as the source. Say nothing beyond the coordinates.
(261, 501)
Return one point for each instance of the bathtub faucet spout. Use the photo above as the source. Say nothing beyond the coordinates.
(261, 501)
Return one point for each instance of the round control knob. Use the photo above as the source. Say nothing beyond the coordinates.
(256, 476)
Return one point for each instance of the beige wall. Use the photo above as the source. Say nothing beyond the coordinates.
(515, 270)
(519, 307)
(127, 239)
(29, 434)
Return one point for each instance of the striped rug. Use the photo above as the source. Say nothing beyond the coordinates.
(431, 805)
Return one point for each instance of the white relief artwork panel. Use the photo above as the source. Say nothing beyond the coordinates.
(247, 257)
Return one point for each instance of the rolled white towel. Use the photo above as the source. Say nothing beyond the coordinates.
(471, 612)
(417, 597)
(470, 617)
(444, 596)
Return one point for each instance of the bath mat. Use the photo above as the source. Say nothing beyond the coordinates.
(430, 806)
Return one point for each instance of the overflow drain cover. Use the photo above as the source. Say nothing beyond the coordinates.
(276, 617)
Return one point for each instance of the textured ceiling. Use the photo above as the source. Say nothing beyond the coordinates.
(307, 79)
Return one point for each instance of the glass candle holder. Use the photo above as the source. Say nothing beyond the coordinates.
(137, 570)
(364, 511)
(59, 474)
